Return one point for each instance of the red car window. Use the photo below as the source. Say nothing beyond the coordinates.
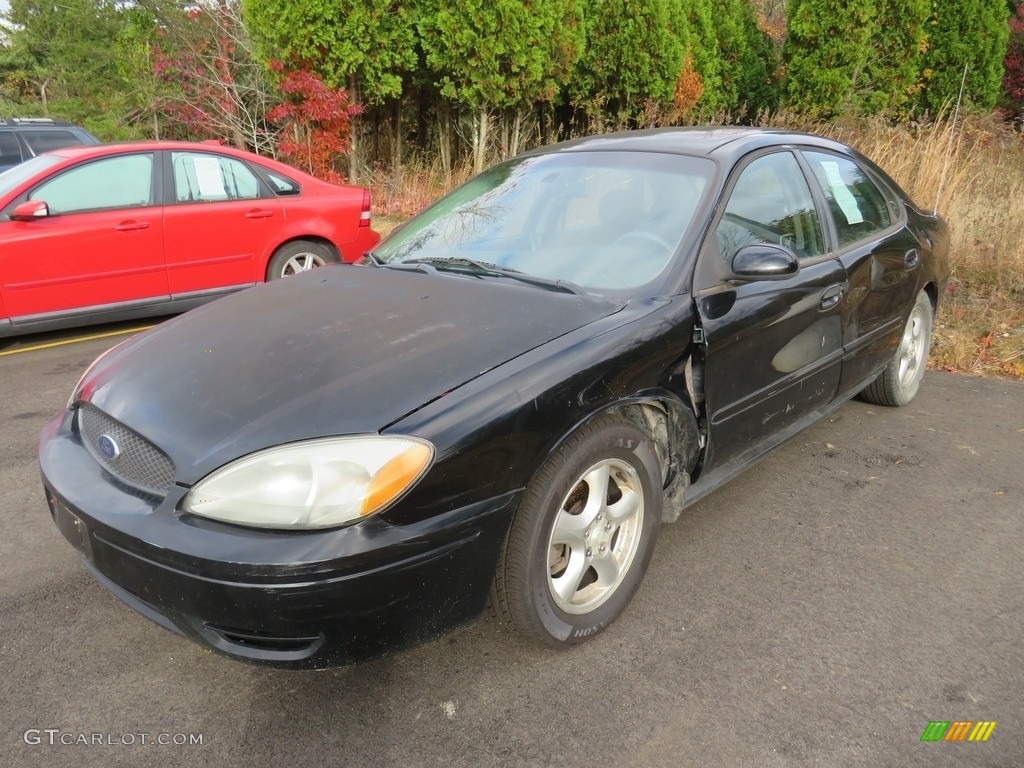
(200, 177)
(123, 181)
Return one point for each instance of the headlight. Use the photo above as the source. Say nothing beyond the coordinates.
(316, 484)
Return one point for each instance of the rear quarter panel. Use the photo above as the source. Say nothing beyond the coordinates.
(325, 213)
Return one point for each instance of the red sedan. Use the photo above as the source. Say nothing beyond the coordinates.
(120, 231)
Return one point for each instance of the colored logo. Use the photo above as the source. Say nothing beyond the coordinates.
(108, 448)
(958, 730)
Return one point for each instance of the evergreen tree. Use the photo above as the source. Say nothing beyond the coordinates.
(499, 54)
(826, 53)
(366, 46)
(899, 41)
(633, 56)
(747, 58)
(697, 25)
(63, 51)
(974, 34)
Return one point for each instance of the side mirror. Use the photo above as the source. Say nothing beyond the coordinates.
(765, 261)
(31, 209)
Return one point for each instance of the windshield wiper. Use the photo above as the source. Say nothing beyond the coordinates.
(409, 266)
(486, 269)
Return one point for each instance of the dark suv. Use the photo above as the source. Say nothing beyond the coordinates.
(22, 138)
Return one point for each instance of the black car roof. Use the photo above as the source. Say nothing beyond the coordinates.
(723, 142)
(34, 122)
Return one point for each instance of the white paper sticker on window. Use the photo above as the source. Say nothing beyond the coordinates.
(844, 198)
(211, 183)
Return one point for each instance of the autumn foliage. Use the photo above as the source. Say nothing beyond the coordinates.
(689, 87)
(1013, 77)
(208, 84)
(316, 120)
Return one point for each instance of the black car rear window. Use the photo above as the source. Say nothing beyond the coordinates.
(44, 141)
(10, 149)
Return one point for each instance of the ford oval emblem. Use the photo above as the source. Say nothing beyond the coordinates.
(108, 447)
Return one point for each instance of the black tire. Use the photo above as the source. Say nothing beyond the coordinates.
(299, 256)
(899, 381)
(533, 561)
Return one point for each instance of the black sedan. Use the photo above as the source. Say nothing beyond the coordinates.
(502, 404)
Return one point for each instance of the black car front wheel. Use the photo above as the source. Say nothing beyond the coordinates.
(582, 537)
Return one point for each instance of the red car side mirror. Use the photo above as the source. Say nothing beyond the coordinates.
(31, 209)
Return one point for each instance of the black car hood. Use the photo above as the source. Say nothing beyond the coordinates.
(341, 350)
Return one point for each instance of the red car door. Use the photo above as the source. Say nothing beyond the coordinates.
(219, 222)
(100, 245)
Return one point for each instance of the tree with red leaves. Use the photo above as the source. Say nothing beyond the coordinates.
(1013, 76)
(317, 121)
(219, 87)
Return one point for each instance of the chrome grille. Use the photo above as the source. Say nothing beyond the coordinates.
(135, 460)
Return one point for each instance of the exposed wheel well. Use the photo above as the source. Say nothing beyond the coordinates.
(672, 428)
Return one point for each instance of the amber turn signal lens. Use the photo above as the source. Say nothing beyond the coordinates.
(395, 476)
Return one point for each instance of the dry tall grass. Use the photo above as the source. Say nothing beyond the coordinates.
(980, 327)
(401, 193)
(979, 164)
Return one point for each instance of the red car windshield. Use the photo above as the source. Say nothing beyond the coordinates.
(14, 177)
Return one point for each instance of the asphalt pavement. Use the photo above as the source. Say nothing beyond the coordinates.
(820, 610)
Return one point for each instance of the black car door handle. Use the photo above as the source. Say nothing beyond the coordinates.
(831, 296)
(912, 259)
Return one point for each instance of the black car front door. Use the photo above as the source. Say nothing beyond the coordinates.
(773, 347)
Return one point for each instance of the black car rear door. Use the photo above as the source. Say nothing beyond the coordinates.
(773, 347)
(881, 256)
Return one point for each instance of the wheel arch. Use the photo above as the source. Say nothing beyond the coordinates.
(670, 423)
(318, 239)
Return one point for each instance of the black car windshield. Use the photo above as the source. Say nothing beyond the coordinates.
(14, 176)
(608, 222)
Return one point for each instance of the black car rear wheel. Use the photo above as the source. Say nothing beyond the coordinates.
(897, 384)
(582, 537)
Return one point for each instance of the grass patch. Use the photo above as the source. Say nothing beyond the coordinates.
(980, 324)
(980, 167)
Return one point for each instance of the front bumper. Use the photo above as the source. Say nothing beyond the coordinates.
(288, 599)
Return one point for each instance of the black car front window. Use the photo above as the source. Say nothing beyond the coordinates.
(605, 221)
(771, 203)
